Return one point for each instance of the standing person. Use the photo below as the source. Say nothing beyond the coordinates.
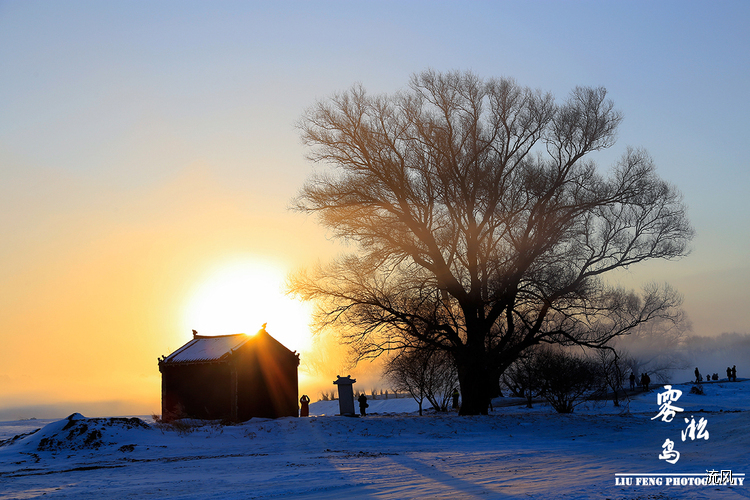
(632, 381)
(698, 378)
(734, 373)
(304, 406)
(455, 399)
(362, 404)
(729, 374)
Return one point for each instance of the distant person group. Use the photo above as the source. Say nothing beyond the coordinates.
(731, 375)
(643, 381)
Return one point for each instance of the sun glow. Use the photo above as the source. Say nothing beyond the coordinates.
(240, 297)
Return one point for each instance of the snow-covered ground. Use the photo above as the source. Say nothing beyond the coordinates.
(392, 453)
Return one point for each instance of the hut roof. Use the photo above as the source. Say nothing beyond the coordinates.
(207, 349)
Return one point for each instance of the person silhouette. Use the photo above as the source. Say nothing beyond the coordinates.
(734, 373)
(304, 409)
(362, 404)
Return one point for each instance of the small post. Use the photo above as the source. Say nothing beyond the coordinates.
(346, 395)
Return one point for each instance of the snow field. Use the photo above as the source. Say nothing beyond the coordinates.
(391, 454)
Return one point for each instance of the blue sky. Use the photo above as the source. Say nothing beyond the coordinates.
(170, 126)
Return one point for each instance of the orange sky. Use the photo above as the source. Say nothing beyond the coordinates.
(105, 295)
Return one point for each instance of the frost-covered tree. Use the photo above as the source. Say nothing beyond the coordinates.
(479, 224)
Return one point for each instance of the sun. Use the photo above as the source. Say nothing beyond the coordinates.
(240, 296)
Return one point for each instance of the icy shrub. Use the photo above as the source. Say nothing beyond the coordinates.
(566, 380)
(697, 389)
(176, 421)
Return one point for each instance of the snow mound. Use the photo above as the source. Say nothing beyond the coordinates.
(77, 432)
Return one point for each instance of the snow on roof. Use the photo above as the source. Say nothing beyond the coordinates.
(207, 348)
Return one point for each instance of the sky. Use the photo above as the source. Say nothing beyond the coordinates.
(148, 156)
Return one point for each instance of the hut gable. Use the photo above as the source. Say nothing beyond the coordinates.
(233, 377)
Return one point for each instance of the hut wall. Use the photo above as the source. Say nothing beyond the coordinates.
(197, 391)
(266, 380)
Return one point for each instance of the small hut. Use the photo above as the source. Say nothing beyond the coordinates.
(229, 377)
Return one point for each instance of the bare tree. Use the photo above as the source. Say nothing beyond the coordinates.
(521, 377)
(443, 380)
(612, 365)
(566, 380)
(657, 347)
(479, 223)
(425, 373)
(407, 371)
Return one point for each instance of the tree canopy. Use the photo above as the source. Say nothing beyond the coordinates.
(478, 223)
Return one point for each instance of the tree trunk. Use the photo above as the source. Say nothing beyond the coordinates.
(474, 379)
(615, 397)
